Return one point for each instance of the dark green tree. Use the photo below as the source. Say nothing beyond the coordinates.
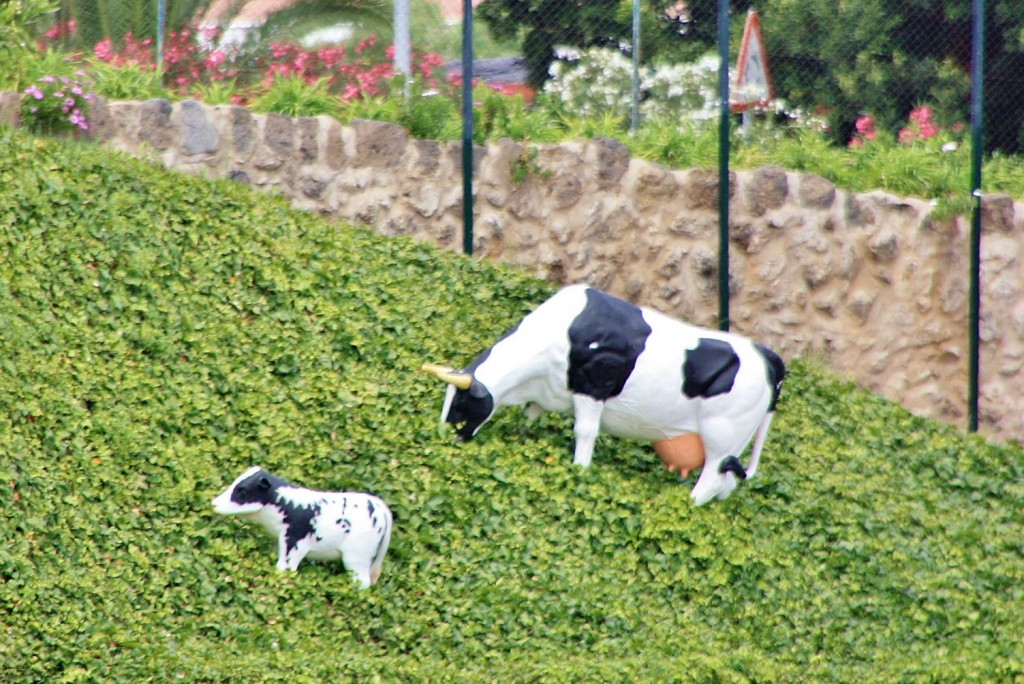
(885, 57)
(543, 25)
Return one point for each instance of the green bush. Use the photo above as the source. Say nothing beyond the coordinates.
(129, 82)
(159, 333)
(293, 96)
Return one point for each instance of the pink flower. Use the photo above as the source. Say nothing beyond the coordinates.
(365, 44)
(215, 59)
(104, 50)
(921, 115)
(34, 92)
(78, 119)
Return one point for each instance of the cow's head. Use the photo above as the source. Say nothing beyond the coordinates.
(468, 403)
(247, 494)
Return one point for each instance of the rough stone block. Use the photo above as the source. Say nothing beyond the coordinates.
(279, 135)
(700, 189)
(767, 189)
(997, 213)
(243, 134)
(155, 124)
(309, 133)
(198, 134)
(816, 192)
(10, 109)
(379, 144)
(612, 161)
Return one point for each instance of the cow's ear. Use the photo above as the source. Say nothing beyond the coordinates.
(264, 482)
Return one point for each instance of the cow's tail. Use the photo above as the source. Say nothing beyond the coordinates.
(776, 372)
(382, 547)
(759, 437)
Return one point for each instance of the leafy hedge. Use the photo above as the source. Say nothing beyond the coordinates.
(159, 333)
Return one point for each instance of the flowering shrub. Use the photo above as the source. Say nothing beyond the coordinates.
(865, 127)
(921, 127)
(689, 89)
(57, 103)
(192, 62)
(598, 81)
(591, 82)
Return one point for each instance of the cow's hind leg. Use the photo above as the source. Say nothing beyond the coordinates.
(722, 439)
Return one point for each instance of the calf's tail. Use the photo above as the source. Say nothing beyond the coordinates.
(382, 547)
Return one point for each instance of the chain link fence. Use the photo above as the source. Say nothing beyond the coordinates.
(857, 71)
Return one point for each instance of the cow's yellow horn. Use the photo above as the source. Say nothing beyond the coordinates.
(449, 375)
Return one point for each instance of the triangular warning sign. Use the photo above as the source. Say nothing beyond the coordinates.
(753, 84)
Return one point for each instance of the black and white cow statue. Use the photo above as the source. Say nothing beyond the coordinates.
(354, 527)
(700, 395)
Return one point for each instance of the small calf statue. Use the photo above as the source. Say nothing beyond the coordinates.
(352, 526)
(699, 395)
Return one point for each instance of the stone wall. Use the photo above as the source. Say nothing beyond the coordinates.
(867, 282)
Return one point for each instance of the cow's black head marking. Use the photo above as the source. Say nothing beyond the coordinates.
(470, 409)
(254, 489)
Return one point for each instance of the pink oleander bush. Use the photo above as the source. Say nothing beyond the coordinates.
(191, 63)
(921, 127)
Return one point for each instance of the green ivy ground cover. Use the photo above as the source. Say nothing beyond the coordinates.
(160, 333)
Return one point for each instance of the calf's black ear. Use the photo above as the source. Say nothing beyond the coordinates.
(731, 464)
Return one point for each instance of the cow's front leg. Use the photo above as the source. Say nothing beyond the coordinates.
(289, 558)
(588, 424)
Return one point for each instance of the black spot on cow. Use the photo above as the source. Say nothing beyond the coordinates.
(605, 340)
(731, 464)
(710, 369)
(298, 521)
(776, 372)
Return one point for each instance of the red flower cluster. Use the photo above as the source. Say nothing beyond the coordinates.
(190, 59)
(921, 126)
(56, 33)
(364, 73)
(865, 126)
(138, 52)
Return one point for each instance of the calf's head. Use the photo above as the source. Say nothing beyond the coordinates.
(250, 492)
(468, 403)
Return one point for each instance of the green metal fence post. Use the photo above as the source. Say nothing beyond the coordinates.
(467, 127)
(977, 144)
(723, 165)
